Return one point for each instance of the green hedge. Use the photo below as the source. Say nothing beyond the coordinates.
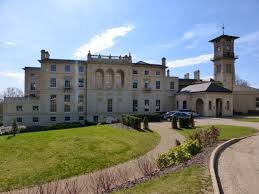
(151, 117)
(131, 121)
(179, 154)
(184, 123)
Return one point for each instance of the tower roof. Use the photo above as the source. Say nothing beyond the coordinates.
(224, 36)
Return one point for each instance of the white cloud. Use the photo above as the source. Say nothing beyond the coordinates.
(17, 76)
(252, 37)
(190, 61)
(249, 44)
(8, 43)
(102, 41)
(198, 32)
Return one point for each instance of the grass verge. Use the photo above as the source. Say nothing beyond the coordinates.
(248, 119)
(32, 158)
(226, 131)
(192, 179)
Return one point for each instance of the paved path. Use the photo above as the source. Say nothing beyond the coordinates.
(238, 164)
(168, 137)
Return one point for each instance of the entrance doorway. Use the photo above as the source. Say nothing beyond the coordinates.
(200, 107)
(219, 107)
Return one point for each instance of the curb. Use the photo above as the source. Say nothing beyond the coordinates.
(213, 166)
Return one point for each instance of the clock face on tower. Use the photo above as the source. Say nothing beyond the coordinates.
(218, 48)
(228, 48)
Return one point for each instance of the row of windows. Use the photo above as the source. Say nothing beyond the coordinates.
(147, 85)
(67, 107)
(146, 72)
(67, 68)
(210, 105)
(19, 108)
(67, 83)
(52, 119)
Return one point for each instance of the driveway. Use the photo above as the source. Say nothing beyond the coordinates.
(239, 164)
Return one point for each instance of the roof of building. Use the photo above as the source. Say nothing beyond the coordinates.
(205, 87)
(34, 68)
(224, 36)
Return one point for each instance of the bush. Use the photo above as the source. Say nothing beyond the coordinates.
(174, 123)
(206, 137)
(151, 117)
(145, 121)
(179, 154)
(14, 128)
(177, 142)
(192, 121)
(131, 121)
(184, 122)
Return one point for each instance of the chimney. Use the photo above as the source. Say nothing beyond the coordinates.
(196, 75)
(164, 61)
(187, 76)
(44, 54)
(168, 73)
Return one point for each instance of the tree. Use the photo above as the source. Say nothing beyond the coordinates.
(241, 82)
(14, 127)
(174, 123)
(12, 92)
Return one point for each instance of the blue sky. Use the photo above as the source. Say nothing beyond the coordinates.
(149, 29)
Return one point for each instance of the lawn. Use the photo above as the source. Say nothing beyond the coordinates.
(192, 179)
(226, 131)
(32, 158)
(247, 119)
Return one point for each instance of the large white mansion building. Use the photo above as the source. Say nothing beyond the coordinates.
(102, 88)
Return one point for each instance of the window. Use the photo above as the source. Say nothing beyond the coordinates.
(146, 72)
(257, 103)
(135, 84)
(157, 105)
(109, 105)
(80, 99)
(80, 108)
(157, 84)
(135, 106)
(33, 86)
(35, 119)
(81, 82)
(81, 69)
(35, 108)
(177, 104)
(157, 72)
(67, 118)
(218, 68)
(19, 108)
(53, 82)
(53, 67)
(52, 119)
(146, 84)
(19, 119)
(184, 104)
(67, 98)
(67, 68)
(228, 68)
(66, 108)
(67, 83)
(171, 85)
(135, 72)
(53, 103)
(228, 105)
(210, 105)
(81, 118)
(146, 105)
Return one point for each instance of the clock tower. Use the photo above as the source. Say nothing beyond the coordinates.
(224, 60)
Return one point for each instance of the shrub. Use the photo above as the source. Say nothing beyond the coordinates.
(206, 137)
(184, 122)
(14, 128)
(131, 121)
(177, 142)
(145, 121)
(174, 123)
(192, 121)
(179, 154)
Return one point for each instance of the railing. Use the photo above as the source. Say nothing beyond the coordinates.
(126, 58)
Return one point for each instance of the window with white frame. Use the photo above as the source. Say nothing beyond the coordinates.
(53, 119)
(66, 98)
(19, 119)
(146, 84)
(81, 82)
(157, 105)
(67, 68)
(146, 103)
(53, 68)
(172, 85)
(35, 108)
(35, 119)
(157, 84)
(135, 106)
(67, 118)
(53, 82)
(109, 105)
(67, 83)
(19, 108)
(66, 108)
(53, 103)
(135, 84)
(80, 108)
(81, 69)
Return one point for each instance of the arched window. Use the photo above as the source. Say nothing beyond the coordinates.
(184, 104)
(99, 77)
(109, 79)
(228, 105)
(119, 79)
(210, 105)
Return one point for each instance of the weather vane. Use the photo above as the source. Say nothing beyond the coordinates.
(223, 28)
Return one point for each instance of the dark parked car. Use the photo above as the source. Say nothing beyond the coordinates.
(189, 111)
(178, 115)
(166, 115)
